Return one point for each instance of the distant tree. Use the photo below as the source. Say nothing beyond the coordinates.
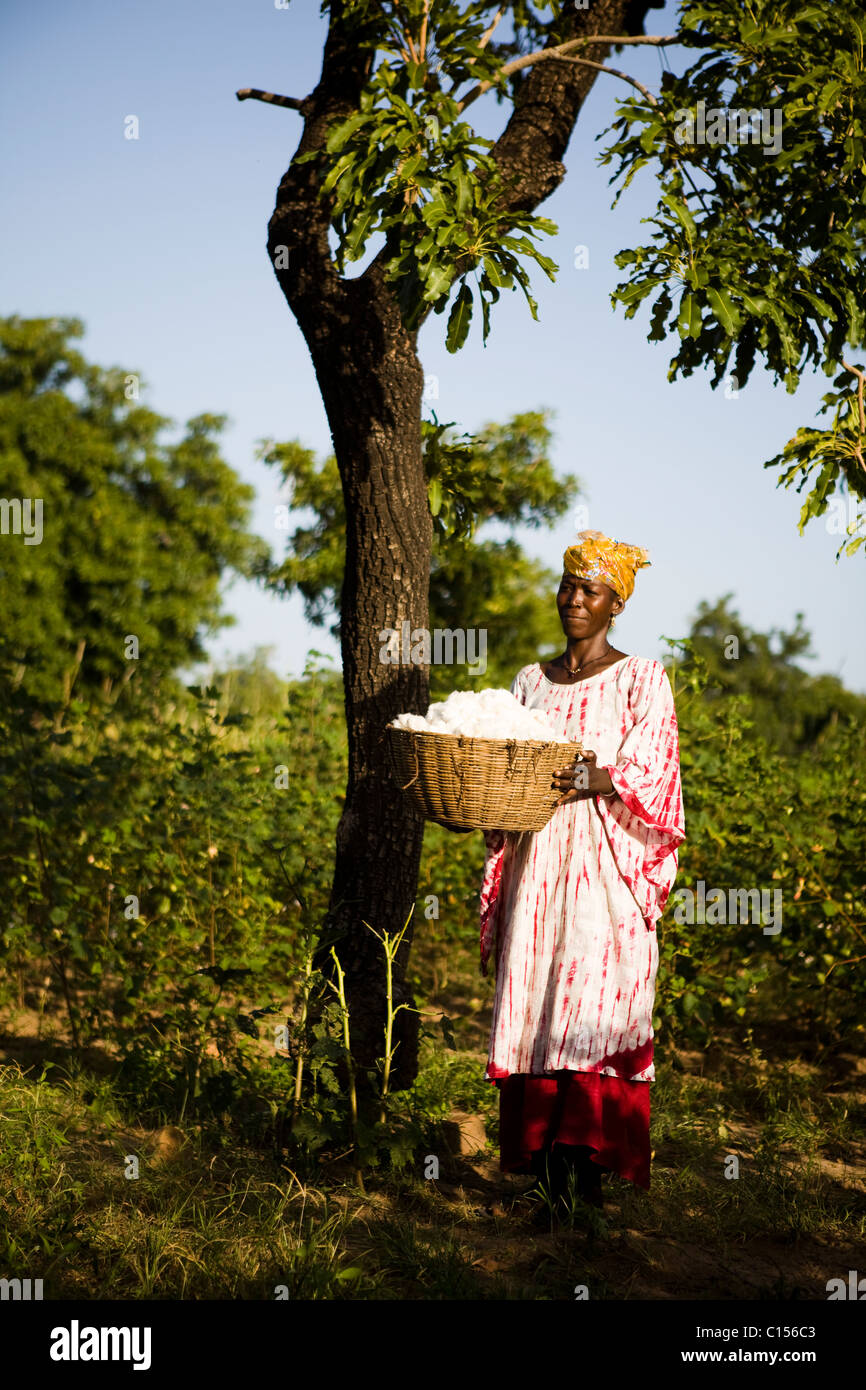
(788, 706)
(250, 687)
(124, 580)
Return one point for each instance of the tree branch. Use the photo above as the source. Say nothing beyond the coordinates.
(861, 377)
(530, 149)
(256, 94)
(301, 218)
(602, 67)
(408, 37)
(561, 50)
(486, 36)
(482, 43)
(658, 39)
(422, 42)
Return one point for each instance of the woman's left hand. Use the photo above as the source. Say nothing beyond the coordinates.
(588, 777)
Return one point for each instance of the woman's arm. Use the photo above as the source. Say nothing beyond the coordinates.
(644, 823)
(646, 774)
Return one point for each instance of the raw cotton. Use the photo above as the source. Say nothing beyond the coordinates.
(483, 714)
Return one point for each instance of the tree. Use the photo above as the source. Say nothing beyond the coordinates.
(489, 586)
(386, 154)
(762, 666)
(121, 577)
(251, 687)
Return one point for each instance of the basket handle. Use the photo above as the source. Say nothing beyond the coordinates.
(417, 771)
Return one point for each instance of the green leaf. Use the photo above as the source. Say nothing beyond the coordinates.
(689, 321)
(636, 291)
(681, 212)
(435, 211)
(720, 303)
(464, 191)
(492, 271)
(648, 137)
(434, 493)
(829, 95)
(357, 238)
(755, 304)
(459, 319)
(343, 132)
(438, 282)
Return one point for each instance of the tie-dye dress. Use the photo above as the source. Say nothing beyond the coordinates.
(569, 914)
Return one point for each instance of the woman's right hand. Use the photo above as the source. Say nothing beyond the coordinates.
(574, 781)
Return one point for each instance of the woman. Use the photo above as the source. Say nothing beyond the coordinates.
(573, 908)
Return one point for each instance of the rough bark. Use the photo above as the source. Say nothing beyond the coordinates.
(532, 146)
(371, 381)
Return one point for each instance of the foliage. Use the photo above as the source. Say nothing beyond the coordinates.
(757, 250)
(758, 232)
(829, 453)
(763, 667)
(151, 870)
(405, 166)
(504, 472)
(136, 533)
(500, 591)
(756, 819)
(251, 687)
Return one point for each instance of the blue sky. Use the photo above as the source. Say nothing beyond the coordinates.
(158, 244)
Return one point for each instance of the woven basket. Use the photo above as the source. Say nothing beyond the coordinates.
(479, 783)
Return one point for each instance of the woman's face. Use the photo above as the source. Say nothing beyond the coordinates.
(586, 606)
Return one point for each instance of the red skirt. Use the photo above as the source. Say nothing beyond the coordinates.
(605, 1113)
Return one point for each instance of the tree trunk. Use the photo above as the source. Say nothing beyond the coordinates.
(371, 382)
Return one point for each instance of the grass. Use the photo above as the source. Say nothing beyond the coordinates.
(213, 1214)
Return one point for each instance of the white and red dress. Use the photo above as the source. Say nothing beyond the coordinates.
(572, 910)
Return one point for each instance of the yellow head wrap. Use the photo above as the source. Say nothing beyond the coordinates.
(613, 562)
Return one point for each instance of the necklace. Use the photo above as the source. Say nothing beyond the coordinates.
(573, 671)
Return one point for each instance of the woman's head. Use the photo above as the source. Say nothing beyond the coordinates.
(598, 579)
(586, 606)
